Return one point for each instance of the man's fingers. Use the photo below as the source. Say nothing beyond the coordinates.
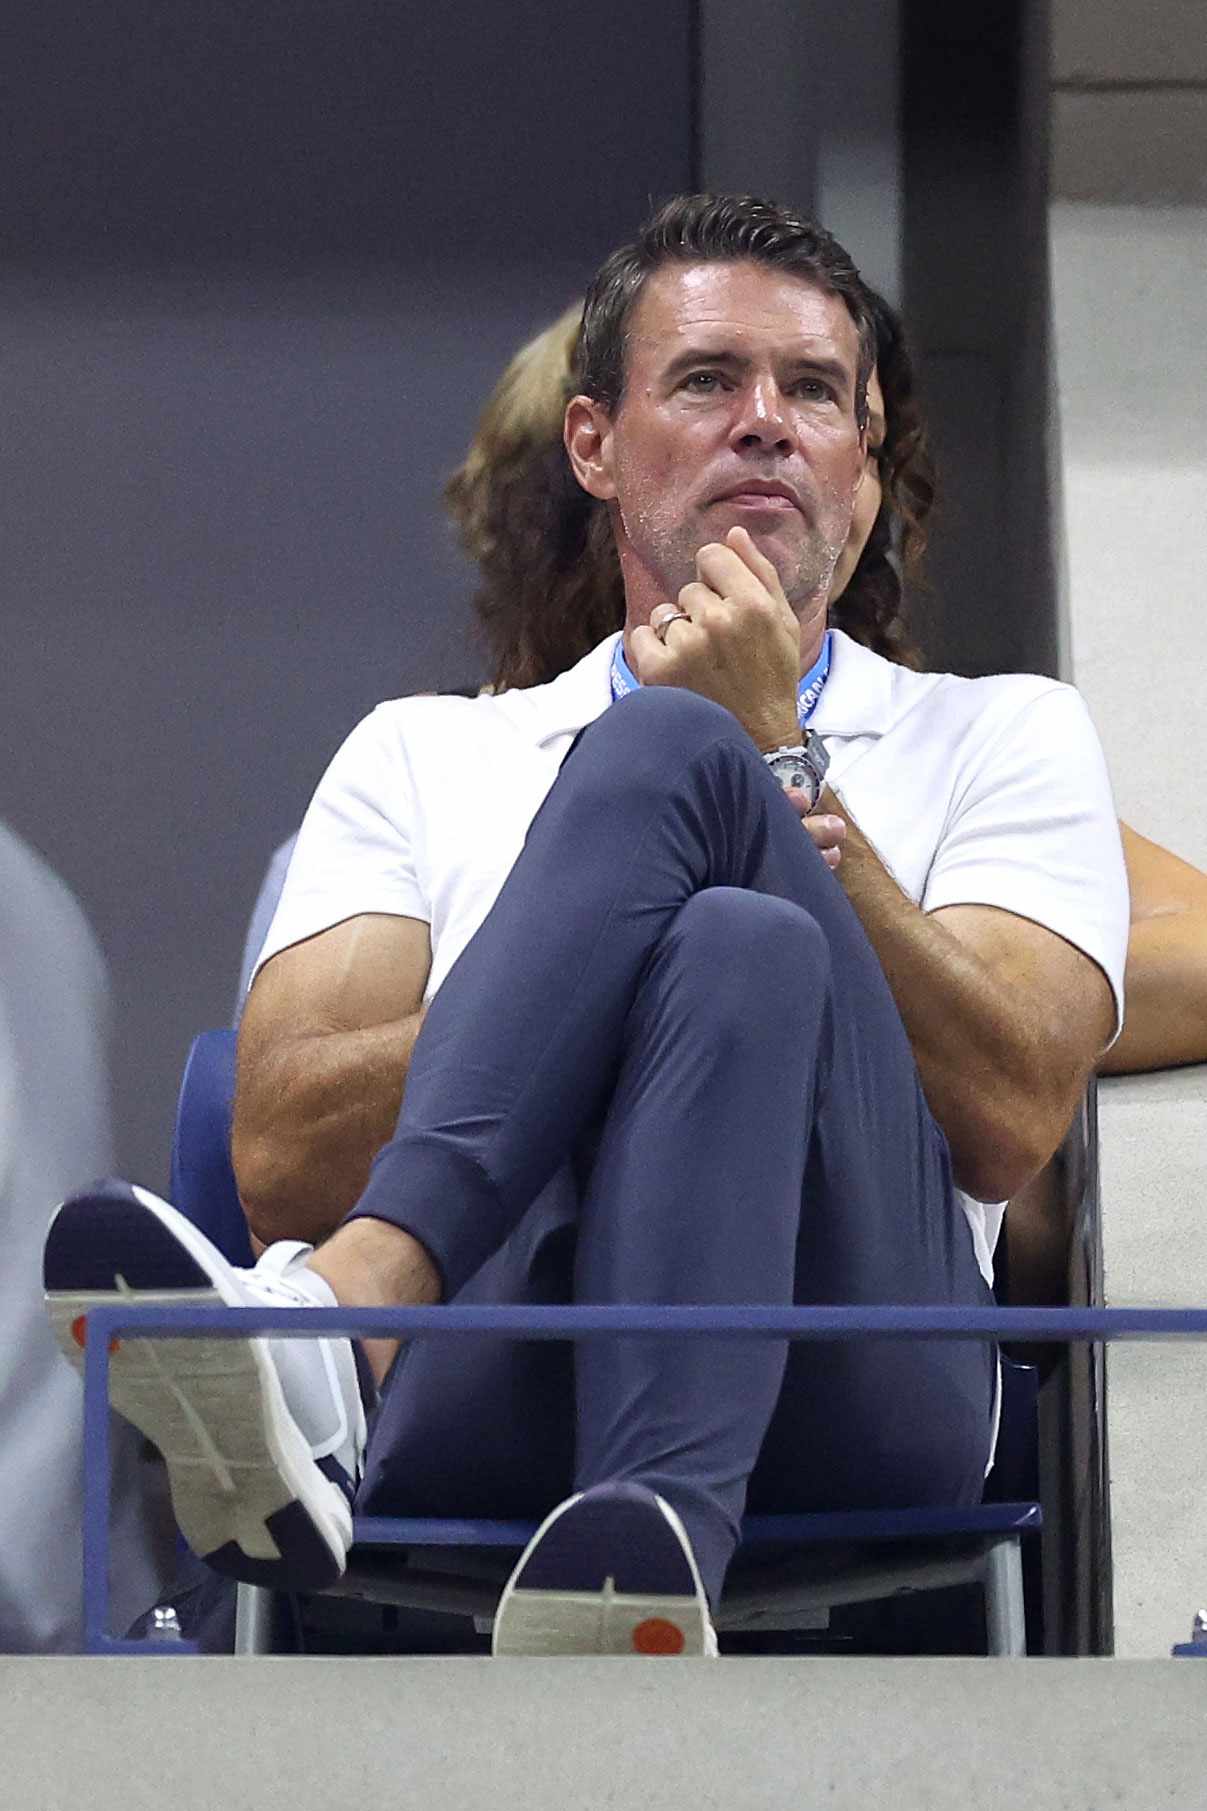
(825, 831)
(827, 835)
(743, 543)
(735, 569)
(652, 658)
(695, 598)
(647, 654)
(725, 572)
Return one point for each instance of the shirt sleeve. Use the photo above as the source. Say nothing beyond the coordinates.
(1033, 830)
(357, 850)
(262, 915)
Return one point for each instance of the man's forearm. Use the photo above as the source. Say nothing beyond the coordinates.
(1166, 992)
(310, 1116)
(981, 1059)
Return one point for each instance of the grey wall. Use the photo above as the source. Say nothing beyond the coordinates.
(975, 110)
(260, 269)
(1129, 253)
(800, 100)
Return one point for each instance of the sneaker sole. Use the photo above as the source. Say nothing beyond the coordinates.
(248, 1495)
(606, 1573)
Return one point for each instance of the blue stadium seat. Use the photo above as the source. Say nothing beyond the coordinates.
(776, 1582)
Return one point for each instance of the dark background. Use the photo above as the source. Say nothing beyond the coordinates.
(259, 269)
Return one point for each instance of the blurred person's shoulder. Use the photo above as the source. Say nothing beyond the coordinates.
(42, 924)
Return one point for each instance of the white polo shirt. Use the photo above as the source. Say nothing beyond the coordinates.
(973, 791)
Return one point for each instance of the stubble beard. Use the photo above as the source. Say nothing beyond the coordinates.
(665, 548)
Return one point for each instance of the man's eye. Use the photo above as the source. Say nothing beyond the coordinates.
(815, 389)
(702, 381)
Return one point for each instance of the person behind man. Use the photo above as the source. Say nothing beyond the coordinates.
(655, 1046)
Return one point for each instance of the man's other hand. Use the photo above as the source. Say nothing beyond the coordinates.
(741, 647)
(826, 831)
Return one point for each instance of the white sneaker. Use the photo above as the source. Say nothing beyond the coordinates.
(263, 1438)
(609, 1571)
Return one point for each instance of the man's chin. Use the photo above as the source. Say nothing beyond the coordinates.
(802, 569)
(777, 534)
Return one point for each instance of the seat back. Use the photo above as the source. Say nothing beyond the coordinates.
(203, 1180)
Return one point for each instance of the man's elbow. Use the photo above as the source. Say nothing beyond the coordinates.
(997, 1159)
(287, 1182)
(263, 1177)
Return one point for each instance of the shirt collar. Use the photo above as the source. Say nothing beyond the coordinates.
(864, 695)
(568, 703)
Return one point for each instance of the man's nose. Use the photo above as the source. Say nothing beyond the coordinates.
(762, 418)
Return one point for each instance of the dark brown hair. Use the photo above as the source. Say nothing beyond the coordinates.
(871, 609)
(549, 579)
(714, 229)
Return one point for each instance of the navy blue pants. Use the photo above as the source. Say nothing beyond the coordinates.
(668, 1068)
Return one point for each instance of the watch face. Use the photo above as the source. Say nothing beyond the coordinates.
(791, 771)
(801, 769)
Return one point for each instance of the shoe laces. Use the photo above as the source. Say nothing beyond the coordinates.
(267, 1280)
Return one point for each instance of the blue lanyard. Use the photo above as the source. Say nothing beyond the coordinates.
(808, 692)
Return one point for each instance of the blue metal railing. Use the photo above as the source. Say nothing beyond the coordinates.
(106, 1325)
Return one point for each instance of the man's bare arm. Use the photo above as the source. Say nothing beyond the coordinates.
(1006, 1019)
(324, 1048)
(1166, 980)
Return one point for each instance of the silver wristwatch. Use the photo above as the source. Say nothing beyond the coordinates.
(800, 765)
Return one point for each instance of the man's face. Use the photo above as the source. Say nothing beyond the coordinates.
(870, 494)
(738, 407)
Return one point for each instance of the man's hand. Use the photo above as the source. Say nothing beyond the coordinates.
(826, 829)
(741, 647)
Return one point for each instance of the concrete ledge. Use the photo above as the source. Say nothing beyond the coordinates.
(1136, 147)
(1153, 1136)
(1120, 41)
(746, 1735)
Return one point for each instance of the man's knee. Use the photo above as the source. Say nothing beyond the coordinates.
(637, 751)
(663, 718)
(750, 948)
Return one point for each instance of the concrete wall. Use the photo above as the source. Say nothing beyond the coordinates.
(974, 112)
(535, 1735)
(1130, 101)
(1129, 254)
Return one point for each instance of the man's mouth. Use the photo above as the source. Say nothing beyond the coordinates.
(768, 496)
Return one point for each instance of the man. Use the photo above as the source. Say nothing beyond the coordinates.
(693, 1029)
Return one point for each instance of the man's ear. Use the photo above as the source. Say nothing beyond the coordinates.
(862, 473)
(587, 432)
(863, 456)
